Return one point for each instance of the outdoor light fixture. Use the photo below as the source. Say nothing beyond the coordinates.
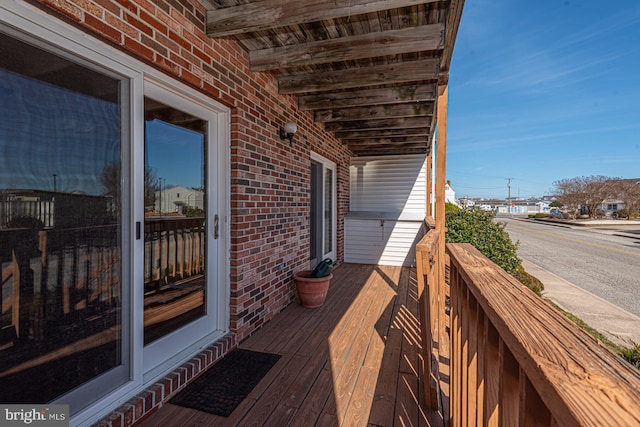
(289, 130)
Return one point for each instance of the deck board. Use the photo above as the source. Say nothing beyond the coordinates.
(354, 361)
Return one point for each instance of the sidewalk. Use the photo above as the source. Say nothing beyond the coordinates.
(610, 320)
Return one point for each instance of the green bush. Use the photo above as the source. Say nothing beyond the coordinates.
(450, 207)
(539, 215)
(632, 355)
(624, 213)
(529, 281)
(477, 227)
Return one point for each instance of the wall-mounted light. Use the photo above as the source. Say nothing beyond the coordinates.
(288, 131)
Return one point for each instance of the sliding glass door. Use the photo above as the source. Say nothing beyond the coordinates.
(63, 255)
(181, 223)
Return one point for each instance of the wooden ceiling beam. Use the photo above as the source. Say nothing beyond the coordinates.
(378, 96)
(385, 150)
(413, 109)
(386, 133)
(369, 45)
(266, 14)
(381, 124)
(403, 72)
(387, 141)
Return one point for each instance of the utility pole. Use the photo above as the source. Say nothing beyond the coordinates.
(509, 194)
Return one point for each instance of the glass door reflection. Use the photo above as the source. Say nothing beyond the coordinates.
(174, 226)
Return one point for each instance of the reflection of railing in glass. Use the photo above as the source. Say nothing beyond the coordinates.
(60, 308)
(174, 273)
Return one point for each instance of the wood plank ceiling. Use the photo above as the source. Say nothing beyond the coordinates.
(368, 69)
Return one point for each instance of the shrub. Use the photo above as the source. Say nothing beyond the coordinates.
(625, 213)
(632, 355)
(450, 207)
(539, 215)
(477, 227)
(529, 281)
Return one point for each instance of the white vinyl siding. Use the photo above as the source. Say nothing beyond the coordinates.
(387, 210)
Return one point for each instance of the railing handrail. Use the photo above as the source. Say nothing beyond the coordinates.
(557, 372)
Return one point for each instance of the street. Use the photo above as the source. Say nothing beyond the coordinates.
(590, 258)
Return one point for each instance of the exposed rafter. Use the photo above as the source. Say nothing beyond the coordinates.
(412, 92)
(401, 72)
(380, 124)
(266, 14)
(385, 133)
(414, 109)
(368, 69)
(394, 42)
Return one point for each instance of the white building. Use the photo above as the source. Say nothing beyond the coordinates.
(449, 194)
(178, 199)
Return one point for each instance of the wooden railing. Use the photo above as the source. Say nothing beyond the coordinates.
(516, 360)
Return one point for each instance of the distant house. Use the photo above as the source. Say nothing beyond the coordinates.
(543, 206)
(610, 206)
(450, 194)
(178, 199)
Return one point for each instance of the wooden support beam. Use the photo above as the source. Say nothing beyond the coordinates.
(441, 178)
(355, 135)
(267, 14)
(384, 150)
(378, 96)
(429, 167)
(369, 45)
(379, 141)
(410, 71)
(396, 123)
(414, 109)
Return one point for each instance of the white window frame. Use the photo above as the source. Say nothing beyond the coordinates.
(35, 23)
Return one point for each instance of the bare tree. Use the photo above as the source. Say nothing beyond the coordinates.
(585, 192)
(570, 193)
(598, 189)
(111, 183)
(629, 192)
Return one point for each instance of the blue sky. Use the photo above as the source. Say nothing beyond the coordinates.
(175, 154)
(543, 90)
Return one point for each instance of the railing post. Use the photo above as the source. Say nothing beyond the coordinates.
(426, 255)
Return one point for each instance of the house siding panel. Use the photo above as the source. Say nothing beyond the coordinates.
(386, 233)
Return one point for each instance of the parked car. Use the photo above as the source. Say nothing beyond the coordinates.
(555, 213)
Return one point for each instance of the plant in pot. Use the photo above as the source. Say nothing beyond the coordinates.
(312, 285)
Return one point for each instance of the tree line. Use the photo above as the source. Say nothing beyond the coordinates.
(588, 193)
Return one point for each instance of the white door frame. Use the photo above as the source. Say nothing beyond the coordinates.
(327, 164)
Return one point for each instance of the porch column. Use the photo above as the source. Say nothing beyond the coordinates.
(441, 164)
(429, 168)
(441, 319)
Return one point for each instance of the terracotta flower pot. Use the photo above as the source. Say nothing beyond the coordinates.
(312, 291)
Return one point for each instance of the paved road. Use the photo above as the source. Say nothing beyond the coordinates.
(595, 260)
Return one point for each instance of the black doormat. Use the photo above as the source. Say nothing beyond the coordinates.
(221, 389)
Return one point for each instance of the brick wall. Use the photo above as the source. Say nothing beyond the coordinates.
(270, 179)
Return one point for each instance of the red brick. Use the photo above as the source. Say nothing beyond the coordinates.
(102, 28)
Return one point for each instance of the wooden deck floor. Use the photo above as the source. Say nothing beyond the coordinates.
(354, 361)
